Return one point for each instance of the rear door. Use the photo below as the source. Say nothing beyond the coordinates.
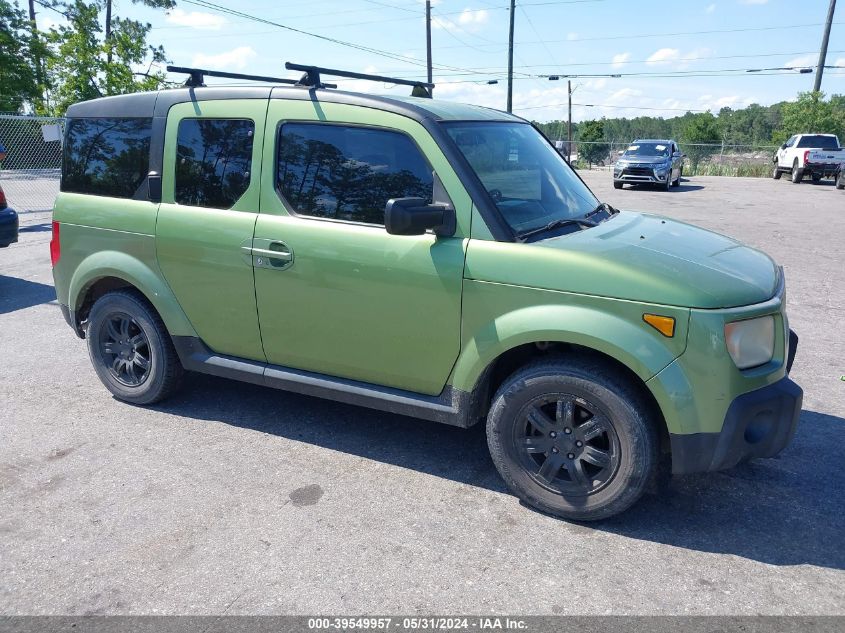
(344, 298)
(210, 197)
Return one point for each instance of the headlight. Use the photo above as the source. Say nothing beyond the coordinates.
(751, 343)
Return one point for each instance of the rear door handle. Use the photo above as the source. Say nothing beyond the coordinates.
(276, 256)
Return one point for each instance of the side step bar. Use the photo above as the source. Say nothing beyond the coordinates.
(452, 406)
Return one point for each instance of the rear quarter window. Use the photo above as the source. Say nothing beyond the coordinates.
(106, 156)
(818, 142)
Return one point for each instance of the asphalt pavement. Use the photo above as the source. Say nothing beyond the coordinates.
(232, 498)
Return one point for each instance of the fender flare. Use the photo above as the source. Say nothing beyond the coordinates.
(629, 343)
(136, 273)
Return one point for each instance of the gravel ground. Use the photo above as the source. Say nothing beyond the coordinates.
(231, 498)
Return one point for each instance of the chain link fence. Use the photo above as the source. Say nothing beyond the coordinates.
(702, 159)
(31, 170)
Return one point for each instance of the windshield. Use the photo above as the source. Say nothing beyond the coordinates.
(648, 149)
(817, 141)
(528, 180)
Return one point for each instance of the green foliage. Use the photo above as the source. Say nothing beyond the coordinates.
(19, 51)
(699, 128)
(811, 113)
(86, 65)
(590, 147)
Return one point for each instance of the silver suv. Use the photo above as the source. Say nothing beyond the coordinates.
(649, 161)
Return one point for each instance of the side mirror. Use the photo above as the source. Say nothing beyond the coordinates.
(783, 146)
(677, 155)
(412, 216)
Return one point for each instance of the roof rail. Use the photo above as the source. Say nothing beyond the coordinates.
(197, 77)
(311, 78)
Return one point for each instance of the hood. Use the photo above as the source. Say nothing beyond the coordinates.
(645, 160)
(638, 257)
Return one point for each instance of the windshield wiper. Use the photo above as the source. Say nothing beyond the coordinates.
(555, 224)
(602, 206)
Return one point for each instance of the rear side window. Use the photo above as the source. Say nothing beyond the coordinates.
(348, 172)
(106, 157)
(213, 161)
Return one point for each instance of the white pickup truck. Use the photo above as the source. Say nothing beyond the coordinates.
(815, 155)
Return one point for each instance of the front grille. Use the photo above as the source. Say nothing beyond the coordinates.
(638, 171)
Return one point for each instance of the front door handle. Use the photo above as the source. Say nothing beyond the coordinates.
(277, 256)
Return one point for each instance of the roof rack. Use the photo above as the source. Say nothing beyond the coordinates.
(197, 77)
(311, 78)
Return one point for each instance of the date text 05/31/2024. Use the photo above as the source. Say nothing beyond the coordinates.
(416, 624)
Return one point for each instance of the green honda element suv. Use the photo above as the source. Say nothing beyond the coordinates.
(425, 258)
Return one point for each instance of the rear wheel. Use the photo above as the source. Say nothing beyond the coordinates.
(840, 180)
(572, 438)
(131, 349)
(797, 173)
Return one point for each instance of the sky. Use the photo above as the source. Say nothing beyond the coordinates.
(665, 51)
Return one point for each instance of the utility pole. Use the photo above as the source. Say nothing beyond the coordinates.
(108, 31)
(428, 38)
(36, 55)
(823, 51)
(569, 132)
(510, 58)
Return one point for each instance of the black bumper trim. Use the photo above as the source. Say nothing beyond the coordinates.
(70, 319)
(759, 423)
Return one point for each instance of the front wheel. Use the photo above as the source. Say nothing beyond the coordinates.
(617, 185)
(572, 438)
(131, 349)
(776, 173)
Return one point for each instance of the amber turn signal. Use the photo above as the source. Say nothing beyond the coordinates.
(663, 324)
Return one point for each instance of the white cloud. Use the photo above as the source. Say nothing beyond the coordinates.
(801, 62)
(572, 36)
(237, 58)
(620, 59)
(196, 19)
(753, 1)
(840, 63)
(468, 16)
(663, 56)
(726, 102)
(710, 8)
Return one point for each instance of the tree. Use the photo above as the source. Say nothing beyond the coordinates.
(699, 136)
(811, 113)
(86, 65)
(18, 52)
(590, 141)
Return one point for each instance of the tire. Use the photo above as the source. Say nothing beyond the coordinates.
(668, 185)
(131, 349)
(677, 183)
(617, 185)
(797, 173)
(776, 173)
(610, 420)
(840, 181)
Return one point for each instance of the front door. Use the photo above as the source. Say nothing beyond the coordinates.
(343, 297)
(210, 197)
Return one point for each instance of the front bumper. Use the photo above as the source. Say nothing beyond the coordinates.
(759, 423)
(633, 175)
(8, 227)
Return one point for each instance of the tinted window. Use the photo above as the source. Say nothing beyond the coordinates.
(817, 141)
(213, 161)
(106, 157)
(348, 173)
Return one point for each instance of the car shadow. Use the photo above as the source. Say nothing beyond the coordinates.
(36, 228)
(17, 294)
(682, 188)
(781, 511)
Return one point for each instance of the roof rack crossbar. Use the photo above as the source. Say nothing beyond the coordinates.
(312, 78)
(197, 76)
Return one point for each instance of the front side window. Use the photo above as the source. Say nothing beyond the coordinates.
(526, 178)
(213, 161)
(348, 172)
(106, 156)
